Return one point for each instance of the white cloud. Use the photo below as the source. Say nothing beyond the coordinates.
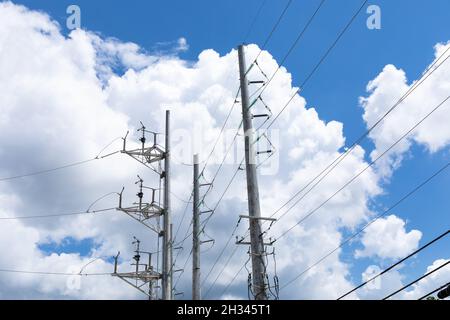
(429, 283)
(386, 89)
(387, 238)
(62, 101)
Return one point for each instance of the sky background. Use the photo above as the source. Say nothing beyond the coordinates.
(409, 32)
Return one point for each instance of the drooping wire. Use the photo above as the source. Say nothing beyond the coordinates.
(66, 166)
(218, 259)
(299, 37)
(434, 291)
(363, 170)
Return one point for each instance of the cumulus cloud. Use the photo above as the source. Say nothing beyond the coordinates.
(65, 98)
(387, 238)
(387, 88)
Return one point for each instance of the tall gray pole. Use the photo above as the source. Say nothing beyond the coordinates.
(256, 240)
(167, 239)
(196, 234)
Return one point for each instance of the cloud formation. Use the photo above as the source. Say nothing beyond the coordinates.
(65, 98)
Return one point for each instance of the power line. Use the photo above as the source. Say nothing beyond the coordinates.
(221, 271)
(182, 217)
(333, 45)
(237, 133)
(57, 215)
(232, 280)
(221, 132)
(250, 29)
(69, 165)
(301, 88)
(379, 121)
(417, 280)
(300, 36)
(320, 61)
(218, 258)
(354, 235)
(184, 267)
(53, 273)
(274, 28)
(434, 291)
(74, 164)
(362, 171)
(396, 264)
(330, 167)
(222, 195)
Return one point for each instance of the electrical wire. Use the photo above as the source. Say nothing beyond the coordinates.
(226, 120)
(57, 215)
(354, 235)
(274, 28)
(330, 167)
(417, 280)
(434, 291)
(309, 77)
(35, 173)
(363, 170)
(326, 171)
(221, 271)
(233, 279)
(333, 45)
(250, 29)
(70, 165)
(295, 43)
(218, 258)
(53, 273)
(395, 264)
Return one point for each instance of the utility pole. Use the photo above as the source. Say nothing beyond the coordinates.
(196, 234)
(256, 239)
(167, 234)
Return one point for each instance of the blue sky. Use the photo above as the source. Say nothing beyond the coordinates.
(410, 29)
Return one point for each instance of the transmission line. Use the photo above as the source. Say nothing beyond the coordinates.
(367, 167)
(299, 37)
(250, 29)
(434, 291)
(396, 264)
(354, 235)
(53, 273)
(326, 171)
(57, 215)
(333, 45)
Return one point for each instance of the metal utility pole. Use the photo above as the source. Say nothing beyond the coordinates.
(256, 239)
(167, 234)
(196, 234)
